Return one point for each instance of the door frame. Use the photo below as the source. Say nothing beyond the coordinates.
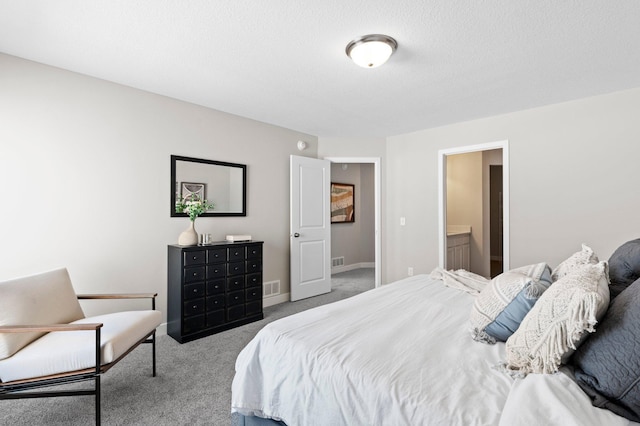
(377, 206)
(442, 196)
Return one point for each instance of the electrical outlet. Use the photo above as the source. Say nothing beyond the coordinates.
(410, 271)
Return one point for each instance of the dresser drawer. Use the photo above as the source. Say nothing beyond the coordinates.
(215, 318)
(215, 302)
(235, 283)
(196, 257)
(215, 287)
(193, 291)
(194, 274)
(193, 324)
(254, 280)
(253, 293)
(235, 312)
(254, 251)
(217, 255)
(235, 297)
(193, 307)
(215, 271)
(253, 266)
(235, 268)
(236, 253)
(252, 308)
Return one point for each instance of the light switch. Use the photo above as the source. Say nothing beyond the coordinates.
(402, 221)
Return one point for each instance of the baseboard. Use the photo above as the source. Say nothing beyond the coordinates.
(274, 300)
(351, 267)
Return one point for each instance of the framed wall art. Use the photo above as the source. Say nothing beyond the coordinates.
(342, 203)
(191, 189)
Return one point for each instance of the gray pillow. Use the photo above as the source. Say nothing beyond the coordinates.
(607, 365)
(624, 266)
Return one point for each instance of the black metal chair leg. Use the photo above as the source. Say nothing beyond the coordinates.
(153, 349)
(98, 408)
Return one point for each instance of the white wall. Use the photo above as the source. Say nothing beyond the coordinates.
(85, 168)
(573, 179)
(355, 240)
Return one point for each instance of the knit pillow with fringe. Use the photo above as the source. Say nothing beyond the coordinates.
(574, 262)
(559, 321)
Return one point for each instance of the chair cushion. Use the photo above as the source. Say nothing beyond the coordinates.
(43, 299)
(64, 351)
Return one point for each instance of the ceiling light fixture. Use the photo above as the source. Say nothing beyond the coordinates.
(371, 50)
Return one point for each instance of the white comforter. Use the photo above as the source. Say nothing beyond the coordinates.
(397, 355)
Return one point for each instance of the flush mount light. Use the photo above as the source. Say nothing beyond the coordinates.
(371, 50)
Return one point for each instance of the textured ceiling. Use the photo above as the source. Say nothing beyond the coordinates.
(283, 62)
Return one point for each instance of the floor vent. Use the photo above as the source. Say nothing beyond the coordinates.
(271, 288)
(337, 261)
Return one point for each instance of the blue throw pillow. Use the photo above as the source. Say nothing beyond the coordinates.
(508, 321)
(502, 305)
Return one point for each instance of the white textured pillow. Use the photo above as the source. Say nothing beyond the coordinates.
(43, 299)
(503, 303)
(558, 322)
(586, 256)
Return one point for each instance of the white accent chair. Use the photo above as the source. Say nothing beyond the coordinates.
(46, 340)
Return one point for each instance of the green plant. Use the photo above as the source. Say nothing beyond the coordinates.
(192, 206)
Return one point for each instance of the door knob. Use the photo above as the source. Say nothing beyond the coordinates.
(296, 235)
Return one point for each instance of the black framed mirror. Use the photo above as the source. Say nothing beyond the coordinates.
(220, 183)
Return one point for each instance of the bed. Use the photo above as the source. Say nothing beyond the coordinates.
(403, 354)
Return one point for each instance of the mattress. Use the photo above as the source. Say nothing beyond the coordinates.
(400, 354)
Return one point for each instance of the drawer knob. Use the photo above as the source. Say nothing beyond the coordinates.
(195, 274)
(195, 257)
(195, 290)
(236, 297)
(195, 306)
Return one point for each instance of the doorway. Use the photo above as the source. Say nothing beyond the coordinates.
(375, 163)
(480, 242)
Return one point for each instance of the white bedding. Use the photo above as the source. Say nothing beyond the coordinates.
(397, 355)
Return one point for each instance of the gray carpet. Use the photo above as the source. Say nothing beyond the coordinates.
(193, 385)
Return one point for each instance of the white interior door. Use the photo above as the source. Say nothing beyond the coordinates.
(310, 237)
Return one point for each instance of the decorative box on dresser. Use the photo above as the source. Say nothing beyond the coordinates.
(213, 288)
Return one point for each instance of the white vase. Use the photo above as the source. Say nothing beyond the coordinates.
(190, 236)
